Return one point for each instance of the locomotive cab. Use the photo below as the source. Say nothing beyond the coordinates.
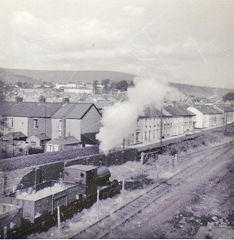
(84, 175)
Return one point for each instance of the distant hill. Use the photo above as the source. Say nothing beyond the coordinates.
(38, 76)
(206, 92)
(11, 77)
(14, 75)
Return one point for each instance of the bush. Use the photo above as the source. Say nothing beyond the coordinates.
(183, 149)
(35, 150)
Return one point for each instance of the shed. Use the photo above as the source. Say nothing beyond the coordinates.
(38, 141)
(60, 144)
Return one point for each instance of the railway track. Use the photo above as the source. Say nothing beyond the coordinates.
(107, 224)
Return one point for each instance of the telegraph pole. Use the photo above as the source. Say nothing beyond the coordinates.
(13, 149)
(161, 128)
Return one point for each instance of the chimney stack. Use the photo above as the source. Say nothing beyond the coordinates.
(42, 99)
(66, 100)
(19, 99)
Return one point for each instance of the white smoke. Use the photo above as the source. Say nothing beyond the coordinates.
(119, 120)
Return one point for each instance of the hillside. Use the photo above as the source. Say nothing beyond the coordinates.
(206, 92)
(37, 76)
(14, 75)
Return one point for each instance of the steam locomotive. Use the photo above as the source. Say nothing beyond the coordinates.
(35, 209)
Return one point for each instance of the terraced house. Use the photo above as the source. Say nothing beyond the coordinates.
(148, 127)
(29, 118)
(71, 124)
(74, 124)
(207, 116)
(182, 120)
(171, 121)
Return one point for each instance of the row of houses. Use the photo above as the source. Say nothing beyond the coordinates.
(65, 125)
(175, 120)
(54, 126)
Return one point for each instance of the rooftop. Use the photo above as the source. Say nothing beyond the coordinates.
(42, 136)
(14, 135)
(28, 109)
(73, 110)
(226, 108)
(207, 109)
(82, 167)
(65, 141)
(178, 111)
(152, 112)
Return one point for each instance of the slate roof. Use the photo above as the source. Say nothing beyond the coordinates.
(226, 108)
(28, 109)
(152, 112)
(42, 136)
(15, 135)
(73, 110)
(178, 111)
(207, 109)
(64, 141)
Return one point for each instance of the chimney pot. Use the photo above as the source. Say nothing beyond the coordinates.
(42, 99)
(19, 99)
(66, 100)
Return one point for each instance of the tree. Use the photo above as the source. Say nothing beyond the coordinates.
(131, 84)
(122, 85)
(228, 97)
(20, 84)
(95, 83)
(3, 120)
(106, 83)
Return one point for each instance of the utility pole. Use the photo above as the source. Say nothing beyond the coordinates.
(13, 149)
(161, 127)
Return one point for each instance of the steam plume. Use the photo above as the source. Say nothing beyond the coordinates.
(120, 119)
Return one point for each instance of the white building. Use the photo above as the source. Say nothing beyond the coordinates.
(78, 90)
(65, 85)
(207, 116)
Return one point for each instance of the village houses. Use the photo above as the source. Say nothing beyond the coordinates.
(73, 124)
(207, 116)
(165, 123)
(81, 121)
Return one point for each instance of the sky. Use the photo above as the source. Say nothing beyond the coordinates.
(187, 41)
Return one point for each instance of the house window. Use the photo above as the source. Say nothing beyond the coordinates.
(60, 127)
(137, 136)
(145, 136)
(138, 123)
(56, 147)
(49, 148)
(35, 123)
(11, 122)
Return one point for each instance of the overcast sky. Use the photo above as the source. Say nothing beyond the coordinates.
(187, 41)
